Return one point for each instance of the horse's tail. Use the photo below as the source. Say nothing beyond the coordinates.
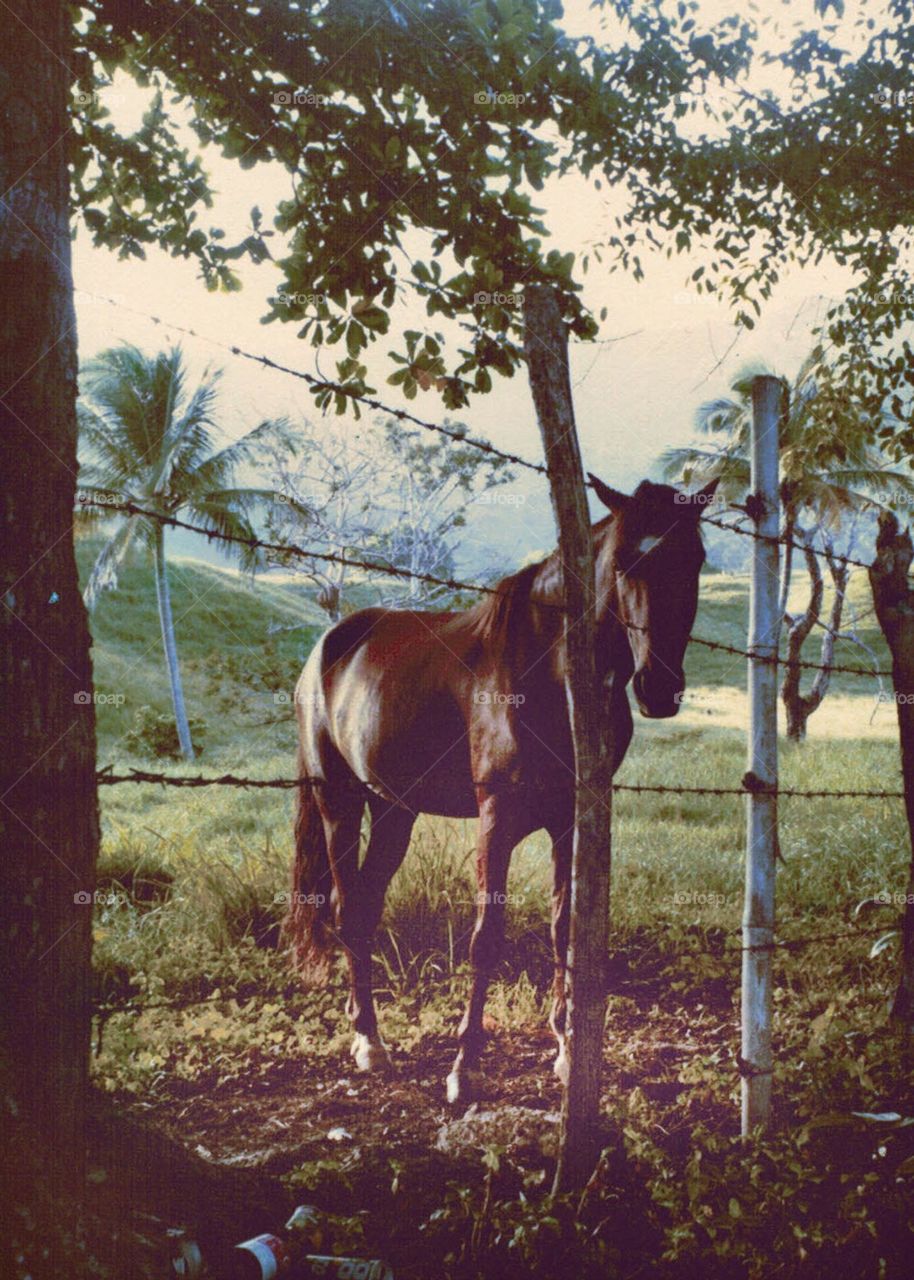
(308, 926)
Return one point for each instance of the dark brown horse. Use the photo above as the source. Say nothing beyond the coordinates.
(464, 714)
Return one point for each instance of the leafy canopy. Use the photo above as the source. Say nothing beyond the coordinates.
(446, 117)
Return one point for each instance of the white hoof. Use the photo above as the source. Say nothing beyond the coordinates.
(463, 1086)
(561, 1065)
(370, 1054)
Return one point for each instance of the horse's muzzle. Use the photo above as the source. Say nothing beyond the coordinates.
(657, 699)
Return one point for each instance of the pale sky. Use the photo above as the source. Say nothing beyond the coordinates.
(633, 397)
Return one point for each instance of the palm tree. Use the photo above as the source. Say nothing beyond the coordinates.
(148, 439)
(831, 473)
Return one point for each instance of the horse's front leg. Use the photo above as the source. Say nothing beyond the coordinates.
(388, 841)
(499, 832)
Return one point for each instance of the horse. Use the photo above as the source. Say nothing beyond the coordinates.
(464, 714)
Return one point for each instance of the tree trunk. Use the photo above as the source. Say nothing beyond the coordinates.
(798, 705)
(787, 566)
(798, 630)
(48, 814)
(894, 601)
(171, 649)
(546, 348)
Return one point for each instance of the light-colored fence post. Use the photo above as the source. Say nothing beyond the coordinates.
(761, 804)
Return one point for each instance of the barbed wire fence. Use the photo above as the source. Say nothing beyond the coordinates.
(748, 785)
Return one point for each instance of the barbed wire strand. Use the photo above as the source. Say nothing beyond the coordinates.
(107, 777)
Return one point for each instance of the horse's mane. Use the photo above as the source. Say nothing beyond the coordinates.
(495, 619)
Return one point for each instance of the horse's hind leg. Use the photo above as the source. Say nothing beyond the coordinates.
(360, 914)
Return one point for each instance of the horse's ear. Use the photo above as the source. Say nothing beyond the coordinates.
(610, 498)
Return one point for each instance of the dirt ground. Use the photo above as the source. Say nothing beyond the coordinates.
(323, 1109)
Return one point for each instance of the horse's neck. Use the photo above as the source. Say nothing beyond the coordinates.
(546, 622)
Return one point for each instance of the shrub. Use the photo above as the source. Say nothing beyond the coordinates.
(155, 734)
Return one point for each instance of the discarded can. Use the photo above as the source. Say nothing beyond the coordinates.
(271, 1254)
(347, 1268)
(261, 1258)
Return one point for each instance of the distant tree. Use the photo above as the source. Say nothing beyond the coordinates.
(379, 493)
(831, 473)
(149, 439)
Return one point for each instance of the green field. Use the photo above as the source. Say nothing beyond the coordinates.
(197, 874)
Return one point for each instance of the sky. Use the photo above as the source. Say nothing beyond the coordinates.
(663, 347)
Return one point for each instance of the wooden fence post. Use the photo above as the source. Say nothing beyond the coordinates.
(546, 348)
(756, 1062)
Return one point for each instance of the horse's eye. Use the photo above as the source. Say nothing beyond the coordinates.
(648, 543)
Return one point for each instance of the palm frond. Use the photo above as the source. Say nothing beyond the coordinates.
(222, 520)
(218, 469)
(191, 433)
(104, 574)
(129, 391)
(721, 415)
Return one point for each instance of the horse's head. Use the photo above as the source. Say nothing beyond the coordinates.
(648, 571)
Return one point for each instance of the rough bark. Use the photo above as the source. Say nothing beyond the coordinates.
(798, 705)
(894, 602)
(546, 348)
(798, 629)
(171, 649)
(48, 815)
